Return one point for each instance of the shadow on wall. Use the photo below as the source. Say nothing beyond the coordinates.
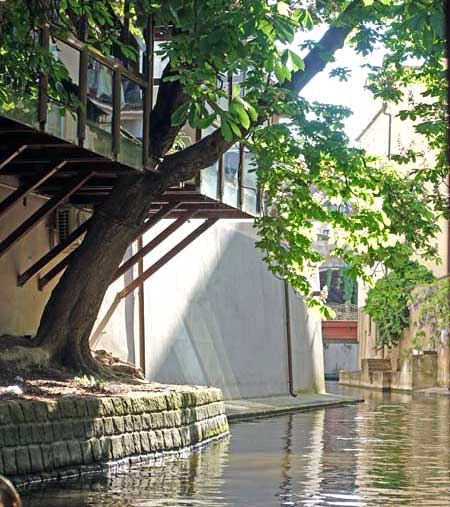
(216, 316)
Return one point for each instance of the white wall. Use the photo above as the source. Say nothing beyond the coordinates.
(216, 316)
(21, 307)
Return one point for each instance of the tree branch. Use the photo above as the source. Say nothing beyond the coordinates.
(170, 97)
(185, 164)
(333, 39)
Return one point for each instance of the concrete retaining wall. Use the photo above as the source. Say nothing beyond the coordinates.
(47, 440)
(338, 356)
(215, 315)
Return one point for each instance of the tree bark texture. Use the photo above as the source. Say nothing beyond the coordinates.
(72, 309)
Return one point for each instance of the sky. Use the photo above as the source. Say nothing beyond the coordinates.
(351, 93)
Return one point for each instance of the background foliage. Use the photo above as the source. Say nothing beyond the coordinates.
(388, 301)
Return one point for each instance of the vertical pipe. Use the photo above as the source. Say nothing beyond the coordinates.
(148, 90)
(141, 310)
(117, 82)
(289, 339)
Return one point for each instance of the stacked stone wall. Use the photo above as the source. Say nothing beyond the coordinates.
(43, 440)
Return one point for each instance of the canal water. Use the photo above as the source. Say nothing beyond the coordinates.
(393, 449)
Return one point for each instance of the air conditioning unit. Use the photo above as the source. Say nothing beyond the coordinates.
(68, 219)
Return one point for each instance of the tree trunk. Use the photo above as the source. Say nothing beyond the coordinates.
(74, 304)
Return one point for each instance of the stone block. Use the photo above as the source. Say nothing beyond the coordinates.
(36, 461)
(157, 420)
(177, 418)
(168, 442)
(146, 421)
(137, 422)
(86, 452)
(57, 431)
(68, 408)
(138, 405)
(75, 455)
(176, 438)
(11, 435)
(155, 403)
(168, 419)
(185, 436)
(53, 412)
(47, 457)
(137, 443)
(119, 425)
(93, 407)
(96, 448)
(2, 437)
(106, 407)
(23, 460)
(108, 426)
(29, 413)
(9, 461)
(78, 428)
(118, 406)
(128, 422)
(117, 447)
(106, 448)
(5, 414)
(67, 430)
(128, 445)
(155, 443)
(16, 411)
(145, 442)
(89, 428)
(60, 454)
(127, 405)
(159, 440)
(26, 433)
(82, 408)
(98, 427)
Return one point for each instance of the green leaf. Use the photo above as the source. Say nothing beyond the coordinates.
(179, 116)
(226, 130)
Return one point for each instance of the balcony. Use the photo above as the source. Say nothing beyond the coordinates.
(103, 129)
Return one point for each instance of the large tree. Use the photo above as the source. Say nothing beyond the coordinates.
(306, 168)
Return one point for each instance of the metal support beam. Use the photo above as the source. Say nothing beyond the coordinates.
(141, 311)
(152, 244)
(13, 155)
(43, 281)
(42, 212)
(167, 257)
(59, 248)
(27, 188)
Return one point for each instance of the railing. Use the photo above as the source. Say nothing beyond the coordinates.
(104, 119)
(112, 116)
(344, 311)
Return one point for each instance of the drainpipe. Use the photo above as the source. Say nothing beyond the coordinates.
(289, 339)
(141, 310)
(389, 115)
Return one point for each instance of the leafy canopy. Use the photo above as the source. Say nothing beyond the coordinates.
(306, 167)
(388, 301)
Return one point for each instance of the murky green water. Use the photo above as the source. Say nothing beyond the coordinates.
(391, 450)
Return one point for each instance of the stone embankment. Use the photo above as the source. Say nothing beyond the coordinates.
(47, 440)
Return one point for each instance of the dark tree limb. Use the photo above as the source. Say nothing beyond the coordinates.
(170, 97)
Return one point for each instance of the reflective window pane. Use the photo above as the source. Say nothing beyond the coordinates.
(131, 124)
(249, 191)
(99, 108)
(63, 95)
(231, 176)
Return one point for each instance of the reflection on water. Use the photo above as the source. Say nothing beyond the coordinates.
(391, 450)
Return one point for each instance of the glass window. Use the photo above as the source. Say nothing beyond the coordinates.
(249, 190)
(231, 176)
(63, 95)
(131, 124)
(99, 108)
